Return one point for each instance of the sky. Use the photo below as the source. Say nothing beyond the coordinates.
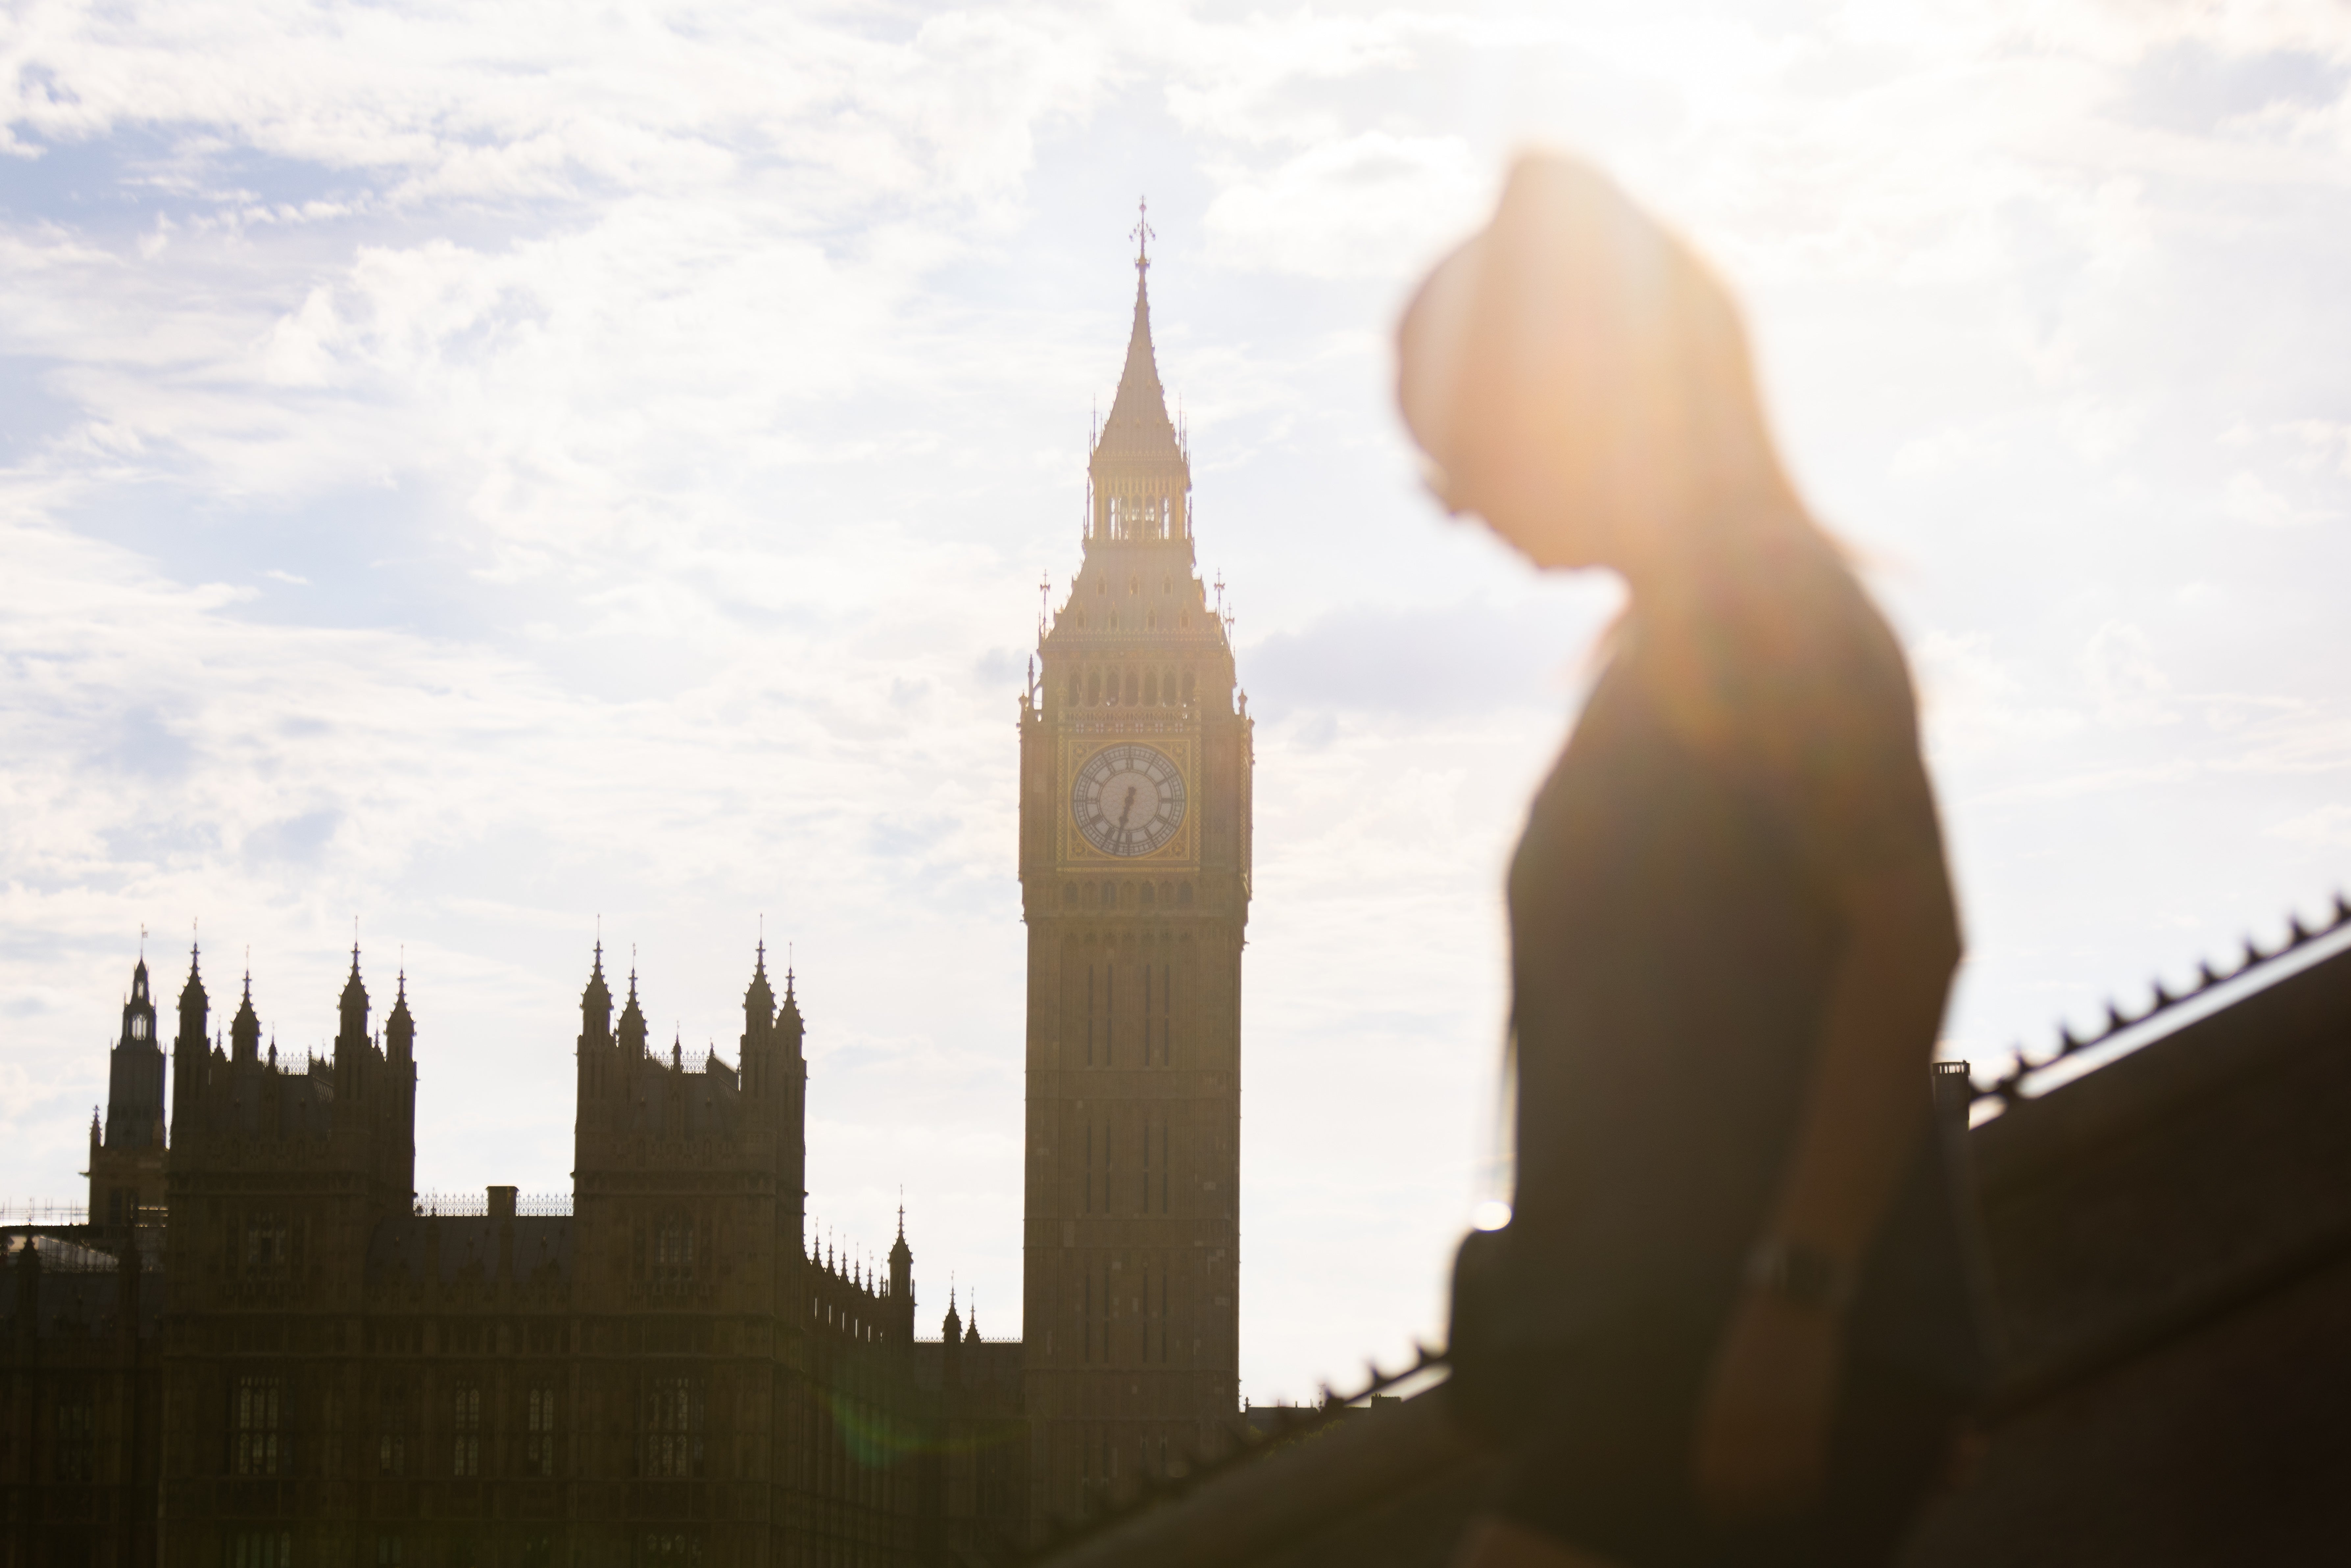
(508, 474)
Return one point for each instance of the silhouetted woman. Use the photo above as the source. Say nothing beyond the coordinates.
(1729, 1322)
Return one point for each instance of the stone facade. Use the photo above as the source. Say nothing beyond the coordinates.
(288, 1360)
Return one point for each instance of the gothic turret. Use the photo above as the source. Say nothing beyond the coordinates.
(633, 1026)
(788, 1027)
(759, 1058)
(596, 1076)
(191, 1049)
(759, 1000)
(245, 1029)
(353, 1035)
(400, 1028)
(596, 1005)
(1142, 475)
(134, 1094)
(902, 1281)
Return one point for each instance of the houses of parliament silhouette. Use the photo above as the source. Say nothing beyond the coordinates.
(261, 1350)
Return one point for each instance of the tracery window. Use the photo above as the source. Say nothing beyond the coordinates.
(673, 1260)
(261, 1549)
(254, 1426)
(266, 1254)
(673, 1430)
(465, 1431)
(70, 1435)
(538, 1432)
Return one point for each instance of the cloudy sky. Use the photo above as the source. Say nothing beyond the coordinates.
(478, 469)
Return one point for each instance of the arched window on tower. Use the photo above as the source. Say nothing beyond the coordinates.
(1147, 902)
(1094, 688)
(1188, 688)
(1150, 689)
(1132, 687)
(1183, 895)
(1077, 688)
(1069, 896)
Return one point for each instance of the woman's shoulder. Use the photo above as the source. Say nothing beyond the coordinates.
(1839, 660)
(1790, 651)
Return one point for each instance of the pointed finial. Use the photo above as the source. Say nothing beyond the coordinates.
(1141, 235)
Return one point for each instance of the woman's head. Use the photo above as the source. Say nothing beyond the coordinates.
(1580, 381)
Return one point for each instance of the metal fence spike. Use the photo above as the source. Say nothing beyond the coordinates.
(2295, 935)
(2205, 978)
(2163, 999)
(2342, 910)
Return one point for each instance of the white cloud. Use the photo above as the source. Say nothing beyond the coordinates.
(479, 469)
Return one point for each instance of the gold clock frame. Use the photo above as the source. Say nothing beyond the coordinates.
(1071, 848)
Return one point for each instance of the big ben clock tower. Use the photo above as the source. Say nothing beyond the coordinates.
(1135, 875)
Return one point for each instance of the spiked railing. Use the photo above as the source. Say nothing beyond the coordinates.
(1243, 1444)
(2013, 1085)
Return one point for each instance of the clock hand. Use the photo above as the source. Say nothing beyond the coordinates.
(1124, 813)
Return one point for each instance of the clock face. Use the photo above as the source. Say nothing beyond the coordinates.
(1128, 799)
